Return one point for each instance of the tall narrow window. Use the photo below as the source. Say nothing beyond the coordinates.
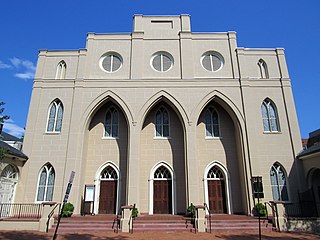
(46, 183)
(278, 183)
(55, 116)
(111, 126)
(212, 123)
(61, 70)
(263, 69)
(269, 116)
(162, 123)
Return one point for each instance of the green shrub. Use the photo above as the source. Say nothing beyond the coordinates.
(260, 209)
(67, 210)
(191, 210)
(134, 212)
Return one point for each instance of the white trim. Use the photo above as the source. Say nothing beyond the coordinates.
(173, 188)
(112, 55)
(205, 124)
(210, 54)
(14, 181)
(161, 54)
(57, 102)
(46, 186)
(97, 181)
(227, 185)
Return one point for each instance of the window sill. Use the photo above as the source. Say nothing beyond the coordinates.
(265, 132)
(162, 138)
(110, 138)
(213, 138)
(52, 133)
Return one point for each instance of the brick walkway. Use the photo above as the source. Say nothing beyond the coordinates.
(239, 235)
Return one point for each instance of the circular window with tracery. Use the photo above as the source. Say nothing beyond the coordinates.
(110, 62)
(162, 62)
(212, 61)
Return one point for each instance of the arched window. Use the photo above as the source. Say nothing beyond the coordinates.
(46, 183)
(111, 125)
(162, 173)
(215, 173)
(269, 116)
(278, 183)
(212, 123)
(55, 116)
(162, 123)
(263, 69)
(61, 70)
(9, 172)
(109, 173)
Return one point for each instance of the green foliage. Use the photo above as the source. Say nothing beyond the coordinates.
(5, 117)
(134, 212)
(2, 153)
(67, 210)
(260, 209)
(191, 210)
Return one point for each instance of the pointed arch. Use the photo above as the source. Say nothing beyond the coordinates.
(209, 174)
(170, 100)
(224, 101)
(94, 106)
(162, 170)
(111, 123)
(278, 178)
(212, 122)
(263, 69)
(270, 116)
(55, 116)
(107, 171)
(61, 70)
(45, 186)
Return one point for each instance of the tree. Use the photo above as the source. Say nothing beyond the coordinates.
(2, 119)
(5, 117)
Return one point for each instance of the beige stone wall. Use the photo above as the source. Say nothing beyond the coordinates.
(169, 150)
(186, 89)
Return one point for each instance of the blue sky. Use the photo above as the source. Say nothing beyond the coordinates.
(27, 26)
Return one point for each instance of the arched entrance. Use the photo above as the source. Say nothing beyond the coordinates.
(217, 189)
(161, 190)
(8, 181)
(107, 188)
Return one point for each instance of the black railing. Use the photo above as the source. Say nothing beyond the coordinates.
(116, 222)
(132, 219)
(51, 214)
(21, 210)
(209, 216)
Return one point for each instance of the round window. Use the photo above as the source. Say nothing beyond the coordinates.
(212, 61)
(162, 62)
(110, 62)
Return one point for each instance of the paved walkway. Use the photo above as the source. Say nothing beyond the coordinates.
(239, 235)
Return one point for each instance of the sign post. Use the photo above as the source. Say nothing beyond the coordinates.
(257, 193)
(65, 199)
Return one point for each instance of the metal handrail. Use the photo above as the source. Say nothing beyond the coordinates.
(116, 221)
(207, 208)
(20, 210)
(274, 209)
(131, 219)
(51, 214)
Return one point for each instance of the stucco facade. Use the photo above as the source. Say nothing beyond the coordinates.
(240, 147)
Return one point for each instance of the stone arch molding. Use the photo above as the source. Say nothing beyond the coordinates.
(225, 102)
(227, 184)
(100, 100)
(97, 185)
(173, 182)
(168, 98)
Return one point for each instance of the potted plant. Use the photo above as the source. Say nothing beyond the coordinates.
(260, 209)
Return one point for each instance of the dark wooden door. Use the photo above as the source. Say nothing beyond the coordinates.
(108, 197)
(162, 197)
(217, 196)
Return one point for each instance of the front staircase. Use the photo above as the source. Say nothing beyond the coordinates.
(164, 223)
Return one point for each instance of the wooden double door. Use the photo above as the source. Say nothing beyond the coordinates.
(217, 196)
(108, 197)
(162, 196)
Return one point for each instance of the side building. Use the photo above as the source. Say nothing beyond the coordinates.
(161, 117)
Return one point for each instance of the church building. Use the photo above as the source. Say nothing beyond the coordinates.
(161, 117)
